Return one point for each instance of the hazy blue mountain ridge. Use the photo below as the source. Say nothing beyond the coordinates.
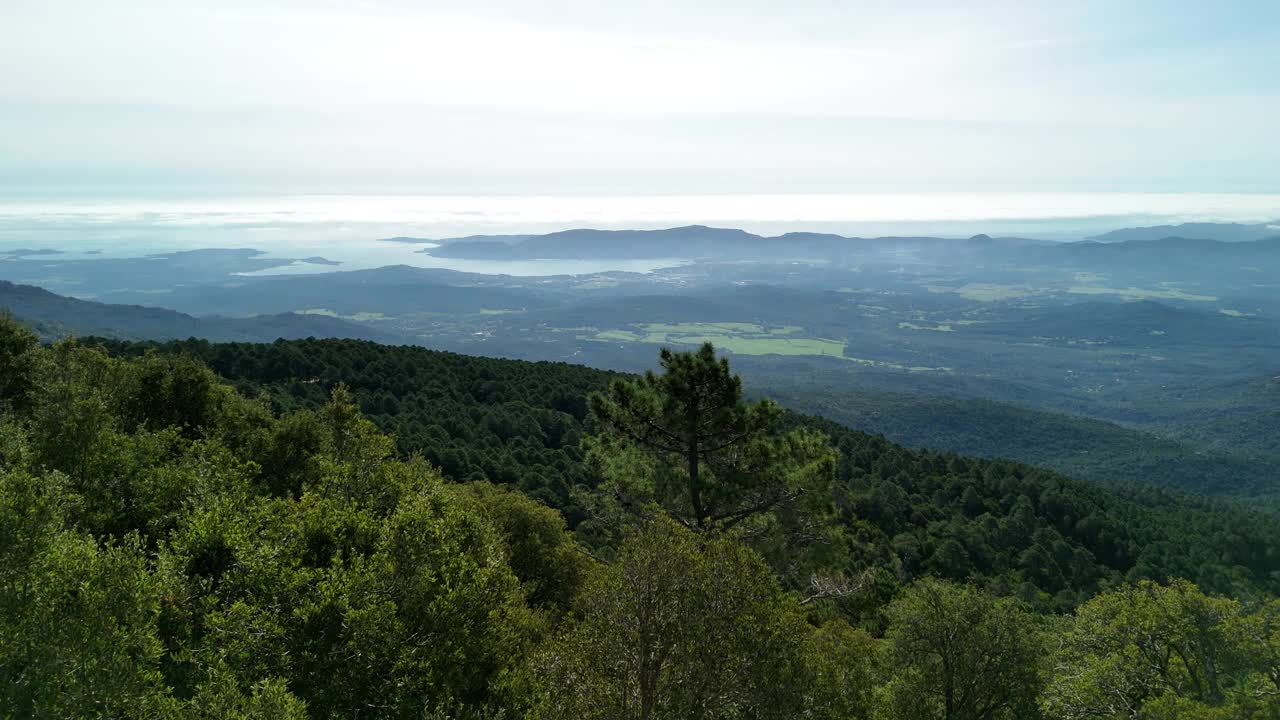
(55, 316)
(1225, 232)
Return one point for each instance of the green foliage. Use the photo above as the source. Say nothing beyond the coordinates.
(686, 442)
(149, 569)
(542, 554)
(678, 628)
(845, 666)
(17, 363)
(961, 655)
(222, 698)
(1080, 447)
(78, 620)
(1166, 651)
(516, 424)
(1023, 531)
(1050, 540)
(172, 548)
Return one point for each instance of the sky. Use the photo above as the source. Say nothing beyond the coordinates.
(640, 98)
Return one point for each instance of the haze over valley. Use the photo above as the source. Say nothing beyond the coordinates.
(1126, 336)
(662, 360)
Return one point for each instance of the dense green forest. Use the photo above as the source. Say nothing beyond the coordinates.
(546, 541)
(1076, 446)
(1013, 527)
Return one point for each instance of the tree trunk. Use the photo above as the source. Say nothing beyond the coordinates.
(695, 484)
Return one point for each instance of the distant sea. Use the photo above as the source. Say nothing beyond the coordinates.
(348, 228)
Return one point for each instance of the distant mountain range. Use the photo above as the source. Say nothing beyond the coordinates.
(104, 278)
(391, 290)
(55, 316)
(1171, 249)
(700, 242)
(1222, 232)
(1178, 244)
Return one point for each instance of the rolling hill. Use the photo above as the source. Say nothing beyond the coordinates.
(520, 423)
(1224, 232)
(1075, 446)
(55, 316)
(392, 290)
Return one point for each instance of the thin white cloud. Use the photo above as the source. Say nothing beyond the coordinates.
(483, 213)
(662, 94)
(944, 65)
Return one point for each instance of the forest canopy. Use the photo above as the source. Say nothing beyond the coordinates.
(254, 544)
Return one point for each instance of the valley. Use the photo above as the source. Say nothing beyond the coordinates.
(569, 360)
(1130, 361)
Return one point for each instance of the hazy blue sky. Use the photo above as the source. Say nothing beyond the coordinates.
(564, 96)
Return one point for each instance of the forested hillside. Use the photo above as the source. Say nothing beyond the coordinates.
(1076, 446)
(173, 548)
(1017, 528)
(57, 316)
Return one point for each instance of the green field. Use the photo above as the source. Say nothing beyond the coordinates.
(936, 328)
(358, 317)
(1133, 293)
(992, 292)
(986, 292)
(768, 346)
(736, 337)
(722, 327)
(746, 339)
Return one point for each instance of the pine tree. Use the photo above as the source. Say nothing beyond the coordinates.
(687, 441)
